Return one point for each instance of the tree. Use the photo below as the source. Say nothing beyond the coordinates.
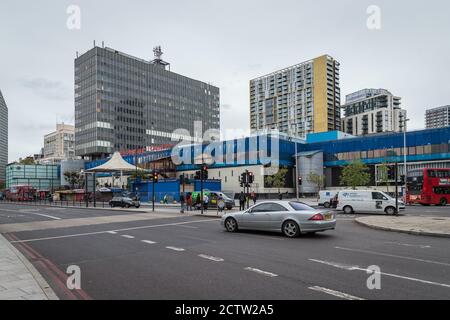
(355, 174)
(73, 178)
(383, 173)
(316, 179)
(277, 180)
(27, 161)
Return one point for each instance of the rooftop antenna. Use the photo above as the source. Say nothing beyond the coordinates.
(158, 54)
(94, 43)
(103, 44)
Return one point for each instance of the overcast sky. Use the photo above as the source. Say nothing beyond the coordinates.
(224, 42)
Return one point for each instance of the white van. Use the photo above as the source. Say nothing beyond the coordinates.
(325, 197)
(369, 201)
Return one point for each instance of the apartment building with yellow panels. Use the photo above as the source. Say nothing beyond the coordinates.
(301, 99)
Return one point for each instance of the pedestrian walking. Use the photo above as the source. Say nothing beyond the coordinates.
(280, 196)
(198, 202)
(242, 199)
(253, 196)
(206, 202)
(182, 202)
(189, 202)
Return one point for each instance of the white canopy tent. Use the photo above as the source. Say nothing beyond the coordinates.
(116, 164)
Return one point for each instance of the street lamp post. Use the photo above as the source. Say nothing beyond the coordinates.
(404, 160)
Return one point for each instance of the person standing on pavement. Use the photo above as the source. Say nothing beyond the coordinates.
(253, 196)
(206, 202)
(242, 199)
(280, 196)
(182, 202)
(189, 202)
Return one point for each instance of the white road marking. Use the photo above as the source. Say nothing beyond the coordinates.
(352, 268)
(112, 232)
(43, 215)
(148, 241)
(106, 231)
(265, 273)
(127, 236)
(217, 259)
(190, 227)
(422, 246)
(335, 293)
(395, 256)
(175, 249)
(31, 211)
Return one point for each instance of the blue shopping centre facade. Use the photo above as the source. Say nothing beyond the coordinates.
(424, 148)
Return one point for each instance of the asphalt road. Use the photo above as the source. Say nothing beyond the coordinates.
(185, 257)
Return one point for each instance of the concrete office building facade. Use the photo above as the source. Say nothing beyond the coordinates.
(371, 111)
(125, 103)
(437, 117)
(301, 99)
(59, 145)
(3, 138)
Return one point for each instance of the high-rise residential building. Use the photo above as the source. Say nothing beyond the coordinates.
(59, 145)
(437, 117)
(301, 99)
(126, 103)
(371, 111)
(3, 138)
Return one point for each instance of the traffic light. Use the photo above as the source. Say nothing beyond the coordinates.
(205, 172)
(182, 179)
(243, 179)
(300, 181)
(155, 176)
(251, 177)
(391, 172)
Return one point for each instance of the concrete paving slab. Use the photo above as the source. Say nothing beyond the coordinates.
(431, 226)
(19, 280)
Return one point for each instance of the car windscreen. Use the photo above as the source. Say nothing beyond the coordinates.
(298, 206)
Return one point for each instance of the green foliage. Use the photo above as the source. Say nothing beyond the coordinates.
(73, 178)
(27, 161)
(277, 180)
(355, 174)
(316, 179)
(383, 172)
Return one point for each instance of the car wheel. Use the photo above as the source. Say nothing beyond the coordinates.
(137, 207)
(443, 202)
(111, 205)
(348, 210)
(326, 204)
(291, 229)
(390, 210)
(231, 225)
(127, 205)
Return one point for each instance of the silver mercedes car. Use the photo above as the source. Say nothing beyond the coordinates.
(292, 218)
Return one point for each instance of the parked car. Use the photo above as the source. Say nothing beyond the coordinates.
(292, 218)
(326, 197)
(367, 201)
(124, 202)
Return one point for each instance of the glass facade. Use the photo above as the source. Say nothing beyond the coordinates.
(124, 103)
(41, 177)
(3, 137)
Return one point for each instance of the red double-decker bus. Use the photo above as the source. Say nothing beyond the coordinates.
(429, 186)
(20, 193)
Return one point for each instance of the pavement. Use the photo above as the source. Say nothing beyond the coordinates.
(420, 225)
(19, 280)
(173, 256)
